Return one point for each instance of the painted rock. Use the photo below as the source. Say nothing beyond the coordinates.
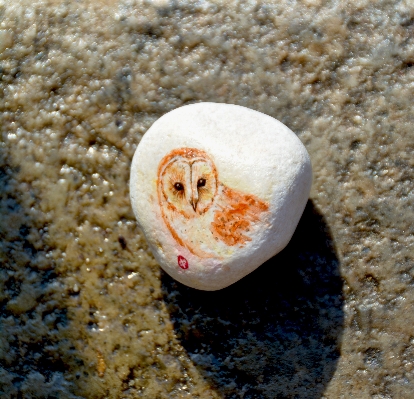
(218, 189)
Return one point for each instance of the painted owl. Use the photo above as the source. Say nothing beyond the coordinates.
(202, 214)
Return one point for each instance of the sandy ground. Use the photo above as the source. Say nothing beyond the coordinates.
(85, 310)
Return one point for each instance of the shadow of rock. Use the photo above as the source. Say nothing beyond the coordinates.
(277, 332)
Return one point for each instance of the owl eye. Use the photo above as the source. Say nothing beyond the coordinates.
(179, 186)
(201, 182)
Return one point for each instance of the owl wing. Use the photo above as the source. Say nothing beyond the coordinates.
(235, 215)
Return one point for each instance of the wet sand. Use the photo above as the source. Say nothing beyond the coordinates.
(85, 309)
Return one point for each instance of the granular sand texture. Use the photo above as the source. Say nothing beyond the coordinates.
(85, 310)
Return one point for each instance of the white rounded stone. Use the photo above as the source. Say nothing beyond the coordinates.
(218, 189)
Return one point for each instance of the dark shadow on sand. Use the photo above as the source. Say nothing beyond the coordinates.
(277, 332)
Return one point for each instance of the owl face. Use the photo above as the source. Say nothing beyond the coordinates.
(188, 181)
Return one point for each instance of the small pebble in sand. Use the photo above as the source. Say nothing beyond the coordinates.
(218, 189)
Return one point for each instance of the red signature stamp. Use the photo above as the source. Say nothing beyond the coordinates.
(182, 262)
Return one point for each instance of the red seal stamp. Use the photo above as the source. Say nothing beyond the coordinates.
(182, 262)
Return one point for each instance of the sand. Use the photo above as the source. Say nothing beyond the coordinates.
(85, 310)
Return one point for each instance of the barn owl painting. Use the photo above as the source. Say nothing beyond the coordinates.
(208, 218)
(217, 190)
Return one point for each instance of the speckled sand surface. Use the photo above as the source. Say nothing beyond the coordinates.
(86, 311)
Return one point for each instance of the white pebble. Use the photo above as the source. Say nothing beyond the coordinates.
(218, 189)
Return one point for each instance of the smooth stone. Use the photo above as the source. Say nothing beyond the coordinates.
(217, 190)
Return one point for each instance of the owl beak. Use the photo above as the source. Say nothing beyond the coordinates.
(194, 203)
(194, 199)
